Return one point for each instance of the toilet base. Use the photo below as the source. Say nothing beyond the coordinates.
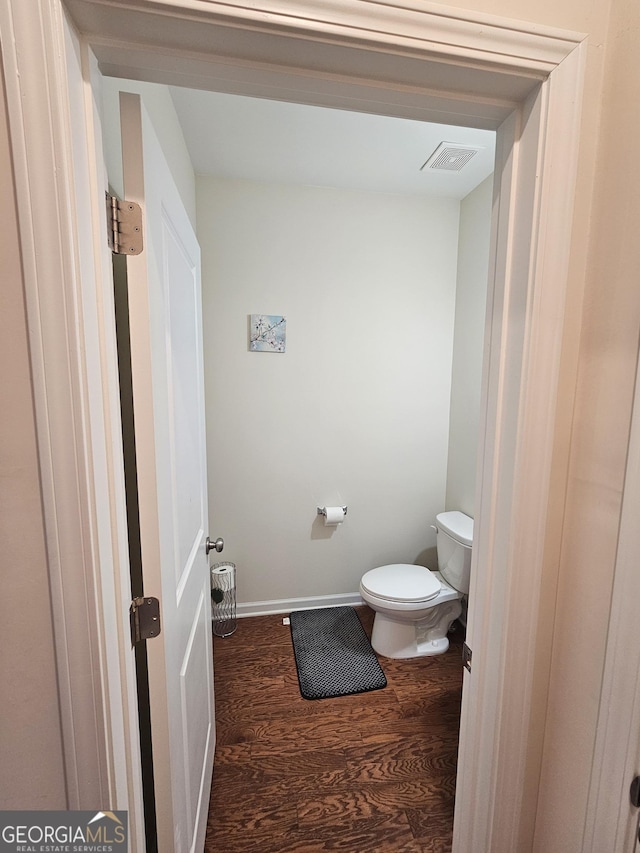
(402, 638)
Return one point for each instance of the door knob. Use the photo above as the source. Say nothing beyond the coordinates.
(218, 545)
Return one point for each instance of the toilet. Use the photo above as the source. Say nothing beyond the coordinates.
(414, 606)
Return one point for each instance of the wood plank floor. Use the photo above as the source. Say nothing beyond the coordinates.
(372, 772)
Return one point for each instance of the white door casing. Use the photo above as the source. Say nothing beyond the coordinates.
(375, 57)
(165, 321)
(612, 820)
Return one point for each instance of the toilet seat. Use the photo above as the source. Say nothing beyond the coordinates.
(402, 582)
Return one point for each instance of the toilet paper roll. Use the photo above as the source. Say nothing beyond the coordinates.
(334, 515)
(223, 576)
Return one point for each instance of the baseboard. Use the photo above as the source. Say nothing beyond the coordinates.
(286, 605)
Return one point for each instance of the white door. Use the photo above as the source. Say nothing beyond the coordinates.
(168, 406)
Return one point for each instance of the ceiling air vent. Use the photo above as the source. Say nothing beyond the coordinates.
(450, 156)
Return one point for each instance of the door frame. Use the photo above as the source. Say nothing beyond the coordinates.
(523, 80)
(611, 819)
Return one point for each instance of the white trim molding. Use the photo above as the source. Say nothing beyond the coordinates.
(515, 576)
(397, 58)
(611, 819)
(286, 605)
(41, 148)
(417, 28)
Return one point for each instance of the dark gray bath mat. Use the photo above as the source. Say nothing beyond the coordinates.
(333, 653)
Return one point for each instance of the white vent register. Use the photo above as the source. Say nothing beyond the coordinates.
(450, 156)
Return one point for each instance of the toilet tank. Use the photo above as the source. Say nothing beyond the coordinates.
(454, 539)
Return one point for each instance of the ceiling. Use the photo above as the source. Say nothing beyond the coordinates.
(256, 139)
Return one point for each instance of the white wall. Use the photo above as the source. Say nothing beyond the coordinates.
(356, 411)
(468, 346)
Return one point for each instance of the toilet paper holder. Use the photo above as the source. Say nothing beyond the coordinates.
(322, 510)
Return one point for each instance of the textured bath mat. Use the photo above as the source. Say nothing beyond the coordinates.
(333, 653)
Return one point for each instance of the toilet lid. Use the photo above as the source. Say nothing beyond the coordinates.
(402, 582)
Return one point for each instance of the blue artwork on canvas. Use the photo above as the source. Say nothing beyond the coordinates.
(268, 333)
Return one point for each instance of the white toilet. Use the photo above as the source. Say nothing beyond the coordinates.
(414, 606)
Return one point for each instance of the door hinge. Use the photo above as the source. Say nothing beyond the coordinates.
(124, 226)
(144, 616)
(466, 657)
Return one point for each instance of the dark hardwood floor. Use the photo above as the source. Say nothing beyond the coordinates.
(371, 772)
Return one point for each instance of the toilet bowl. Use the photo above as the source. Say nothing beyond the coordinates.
(414, 606)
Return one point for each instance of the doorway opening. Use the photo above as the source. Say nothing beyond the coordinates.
(407, 329)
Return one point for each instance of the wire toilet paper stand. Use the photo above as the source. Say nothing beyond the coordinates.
(223, 599)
